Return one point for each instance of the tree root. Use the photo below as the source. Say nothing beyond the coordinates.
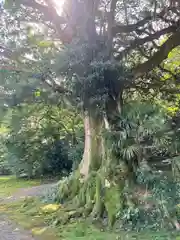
(91, 197)
(99, 197)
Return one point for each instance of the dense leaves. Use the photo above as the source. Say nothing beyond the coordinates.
(40, 138)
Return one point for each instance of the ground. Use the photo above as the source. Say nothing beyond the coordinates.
(41, 220)
(9, 185)
(10, 231)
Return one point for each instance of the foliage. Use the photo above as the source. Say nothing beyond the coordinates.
(29, 214)
(4, 166)
(154, 205)
(87, 65)
(40, 139)
(142, 130)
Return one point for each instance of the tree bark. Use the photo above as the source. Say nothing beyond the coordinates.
(93, 148)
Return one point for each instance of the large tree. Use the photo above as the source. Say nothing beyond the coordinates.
(91, 54)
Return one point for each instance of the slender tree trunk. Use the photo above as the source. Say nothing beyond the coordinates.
(93, 148)
(30, 170)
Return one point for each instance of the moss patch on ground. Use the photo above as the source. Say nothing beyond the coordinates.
(43, 221)
(9, 185)
(29, 216)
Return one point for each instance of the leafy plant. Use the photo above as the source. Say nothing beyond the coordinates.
(40, 140)
(142, 129)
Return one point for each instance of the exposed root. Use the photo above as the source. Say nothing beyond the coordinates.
(102, 195)
(91, 197)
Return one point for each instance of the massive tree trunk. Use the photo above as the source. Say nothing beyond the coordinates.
(94, 125)
(93, 147)
(93, 188)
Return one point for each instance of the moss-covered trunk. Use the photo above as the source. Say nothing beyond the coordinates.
(94, 189)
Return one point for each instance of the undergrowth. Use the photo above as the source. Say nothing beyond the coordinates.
(153, 203)
(42, 220)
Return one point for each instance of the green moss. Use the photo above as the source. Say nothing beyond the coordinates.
(69, 187)
(41, 224)
(113, 202)
(81, 196)
(98, 198)
(92, 196)
(28, 214)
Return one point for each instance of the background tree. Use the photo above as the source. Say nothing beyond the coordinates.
(40, 140)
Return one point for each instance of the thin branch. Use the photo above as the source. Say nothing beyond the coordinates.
(126, 11)
(44, 77)
(130, 28)
(52, 84)
(155, 9)
(133, 27)
(111, 17)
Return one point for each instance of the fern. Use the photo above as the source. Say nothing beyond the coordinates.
(142, 131)
(130, 152)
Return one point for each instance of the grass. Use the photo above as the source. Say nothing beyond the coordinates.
(9, 185)
(41, 220)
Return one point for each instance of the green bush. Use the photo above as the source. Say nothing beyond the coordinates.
(42, 141)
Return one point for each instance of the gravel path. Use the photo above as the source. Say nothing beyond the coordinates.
(27, 192)
(8, 230)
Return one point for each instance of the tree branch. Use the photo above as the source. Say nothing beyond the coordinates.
(150, 38)
(51, 83)
(130, 28)
(49, 13)
(154, 36)
(159, 56)
(44, 77)
(111, 17)
(133, 27)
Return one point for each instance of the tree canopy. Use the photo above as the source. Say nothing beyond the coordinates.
(50, 47)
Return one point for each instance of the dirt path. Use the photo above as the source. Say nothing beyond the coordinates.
(27, 192)
(8, 230)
